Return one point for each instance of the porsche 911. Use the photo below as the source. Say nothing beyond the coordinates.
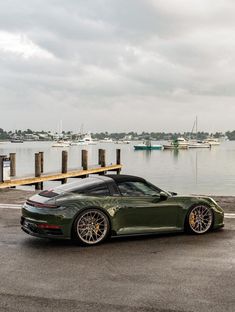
(92, 209)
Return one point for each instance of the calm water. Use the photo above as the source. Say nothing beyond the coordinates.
(194, 171)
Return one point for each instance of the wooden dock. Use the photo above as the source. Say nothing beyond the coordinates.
(59, 176)
(40, 177)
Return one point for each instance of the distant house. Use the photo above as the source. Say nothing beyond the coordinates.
(31, 137)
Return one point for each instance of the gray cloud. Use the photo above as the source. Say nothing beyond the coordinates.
(117, 65)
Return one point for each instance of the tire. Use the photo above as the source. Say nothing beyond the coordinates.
(199, 219)
(91, 227)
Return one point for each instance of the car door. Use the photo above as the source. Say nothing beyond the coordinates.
(142, 209)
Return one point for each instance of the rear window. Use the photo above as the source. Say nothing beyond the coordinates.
(82, 186)
(76, 185)
(100, 190)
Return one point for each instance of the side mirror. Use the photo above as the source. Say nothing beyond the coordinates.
(163, 195)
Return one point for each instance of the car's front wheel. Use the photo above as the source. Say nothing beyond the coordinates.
(91, 227)
(199, 219)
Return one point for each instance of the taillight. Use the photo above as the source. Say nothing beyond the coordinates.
(40, 205)
(48, 226)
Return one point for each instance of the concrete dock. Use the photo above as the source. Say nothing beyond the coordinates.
(160, 273)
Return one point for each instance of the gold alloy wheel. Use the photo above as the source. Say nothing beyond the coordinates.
(92, 226)
(200, 219)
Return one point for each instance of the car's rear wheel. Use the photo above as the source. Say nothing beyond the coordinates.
(199, 219)
(91, 227)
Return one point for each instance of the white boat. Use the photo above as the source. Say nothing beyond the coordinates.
(106, 140)
(123, 142)
(179, 143)
(17, 140)
(195, 143)
(198, 144)
(61, 143)
(212, 141)
(86, 140)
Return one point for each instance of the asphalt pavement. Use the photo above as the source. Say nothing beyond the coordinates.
(155, 273)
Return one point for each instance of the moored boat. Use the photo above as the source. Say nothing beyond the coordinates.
(61, 143)
(179, 143)
(85, 140)
(147, 145)
(17, 140)
(198, 144)
(212, 141)
(106, 140)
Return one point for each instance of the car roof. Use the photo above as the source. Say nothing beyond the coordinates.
(93, 181)
(118, 178)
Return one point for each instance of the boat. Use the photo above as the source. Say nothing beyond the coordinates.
(123, 142)
(61, 143)
(17, 140)
(198, 144)
(179, 143)
(195, 143)
(106, 140)
(212, 141)
(147, 146)
(86, 140)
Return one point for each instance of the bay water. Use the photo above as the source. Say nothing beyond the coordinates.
(194, 171)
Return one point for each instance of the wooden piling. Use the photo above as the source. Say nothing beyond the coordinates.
(118, 159)
(84, 159)
(42, 161)
(99, 156)
(102, 160)
(64, 168)
(12, 164)
(38, 185)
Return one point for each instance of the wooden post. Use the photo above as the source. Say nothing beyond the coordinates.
(85, 162)
(84, 159)
(42, 161)
(102, 158)
(12, 164)
(38, 185)
(64, 168)
(118, 159)
(99, 156)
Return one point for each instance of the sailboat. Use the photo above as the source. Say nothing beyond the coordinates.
(197, 143)
(60, 142)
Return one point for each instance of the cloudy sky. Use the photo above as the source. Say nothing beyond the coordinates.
(117, 65)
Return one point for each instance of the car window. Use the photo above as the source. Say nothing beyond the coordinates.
(129, 188)
(101, 190)
(78, 185)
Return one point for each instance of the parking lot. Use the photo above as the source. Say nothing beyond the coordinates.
(154, 273)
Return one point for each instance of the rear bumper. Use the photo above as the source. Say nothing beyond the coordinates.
(34, 228)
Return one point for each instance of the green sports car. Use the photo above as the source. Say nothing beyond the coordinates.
(92, 209)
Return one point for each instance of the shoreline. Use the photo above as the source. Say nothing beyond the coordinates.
(16, 196)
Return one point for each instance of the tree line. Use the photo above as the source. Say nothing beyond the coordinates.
(158, 136)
